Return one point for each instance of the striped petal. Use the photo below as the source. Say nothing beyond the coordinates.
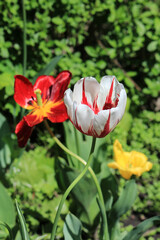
(101, 123)
(86, 90)
(84, 118)
(68, 100)
(109, 90)
(118, 112)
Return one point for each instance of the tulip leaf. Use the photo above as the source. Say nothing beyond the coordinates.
(72, 228)
(48, 68)
(102, 225)
(5, 153)
(8, 228)
(23, 227)
(84, 193)
(139, 230)
(109, 185)
(126, 199)
(123, 204)
(7, 210)
(80, 144)
(76, 143)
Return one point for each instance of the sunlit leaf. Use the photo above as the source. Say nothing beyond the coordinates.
(72, 228)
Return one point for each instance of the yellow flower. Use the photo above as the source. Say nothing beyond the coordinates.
(129, 163)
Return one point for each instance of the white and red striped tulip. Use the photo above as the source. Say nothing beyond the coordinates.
(95, 109)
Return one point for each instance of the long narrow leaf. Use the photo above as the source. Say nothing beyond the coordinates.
(102, 229)
(122, 205)
(8, 228)
(138, 231)
(23, 228)
(48, 68)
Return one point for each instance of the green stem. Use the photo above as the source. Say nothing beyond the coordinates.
(91, 172)
(24, 39)
(71, 186)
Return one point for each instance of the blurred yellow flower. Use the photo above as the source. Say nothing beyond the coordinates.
(129, 163)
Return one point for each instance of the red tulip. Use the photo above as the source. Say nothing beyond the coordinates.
(44, 99)
(95, 109)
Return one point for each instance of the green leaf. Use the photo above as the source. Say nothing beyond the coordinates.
(108, 184)
(38, 174)
(91, 51)
(7, 210)
(76, 143)
(5, 153)
(48, 68)
(152, 46)
(139, 230)
(84, 193)
(102, 225)
(123, 204)
(23, 228)
(72, 228)
(6, 79)
(140, 28)
(8, 228)
(126, 199)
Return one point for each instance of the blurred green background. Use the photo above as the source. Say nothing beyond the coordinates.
(93, 38)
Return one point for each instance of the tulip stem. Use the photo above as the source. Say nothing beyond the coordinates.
(24, 39)
(71, 186)
(106, 235)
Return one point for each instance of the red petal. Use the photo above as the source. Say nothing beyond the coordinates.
(44, 83)
(59, 113)
(23, 132)
(61, 83)
(33, 119)
(23, 90)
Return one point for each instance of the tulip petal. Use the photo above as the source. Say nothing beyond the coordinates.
(23, 132)
(84, 118)
(34, 118)
(118, 112)
(58, 113)
(68, 100)
(86, 90)
(148, 166)
(109, 91)
(101, 123)
(44, 83)
(23, 91)
(61, 83)
(113, 165)
(126, 174)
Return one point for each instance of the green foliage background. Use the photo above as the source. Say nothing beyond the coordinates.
(95, 38)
